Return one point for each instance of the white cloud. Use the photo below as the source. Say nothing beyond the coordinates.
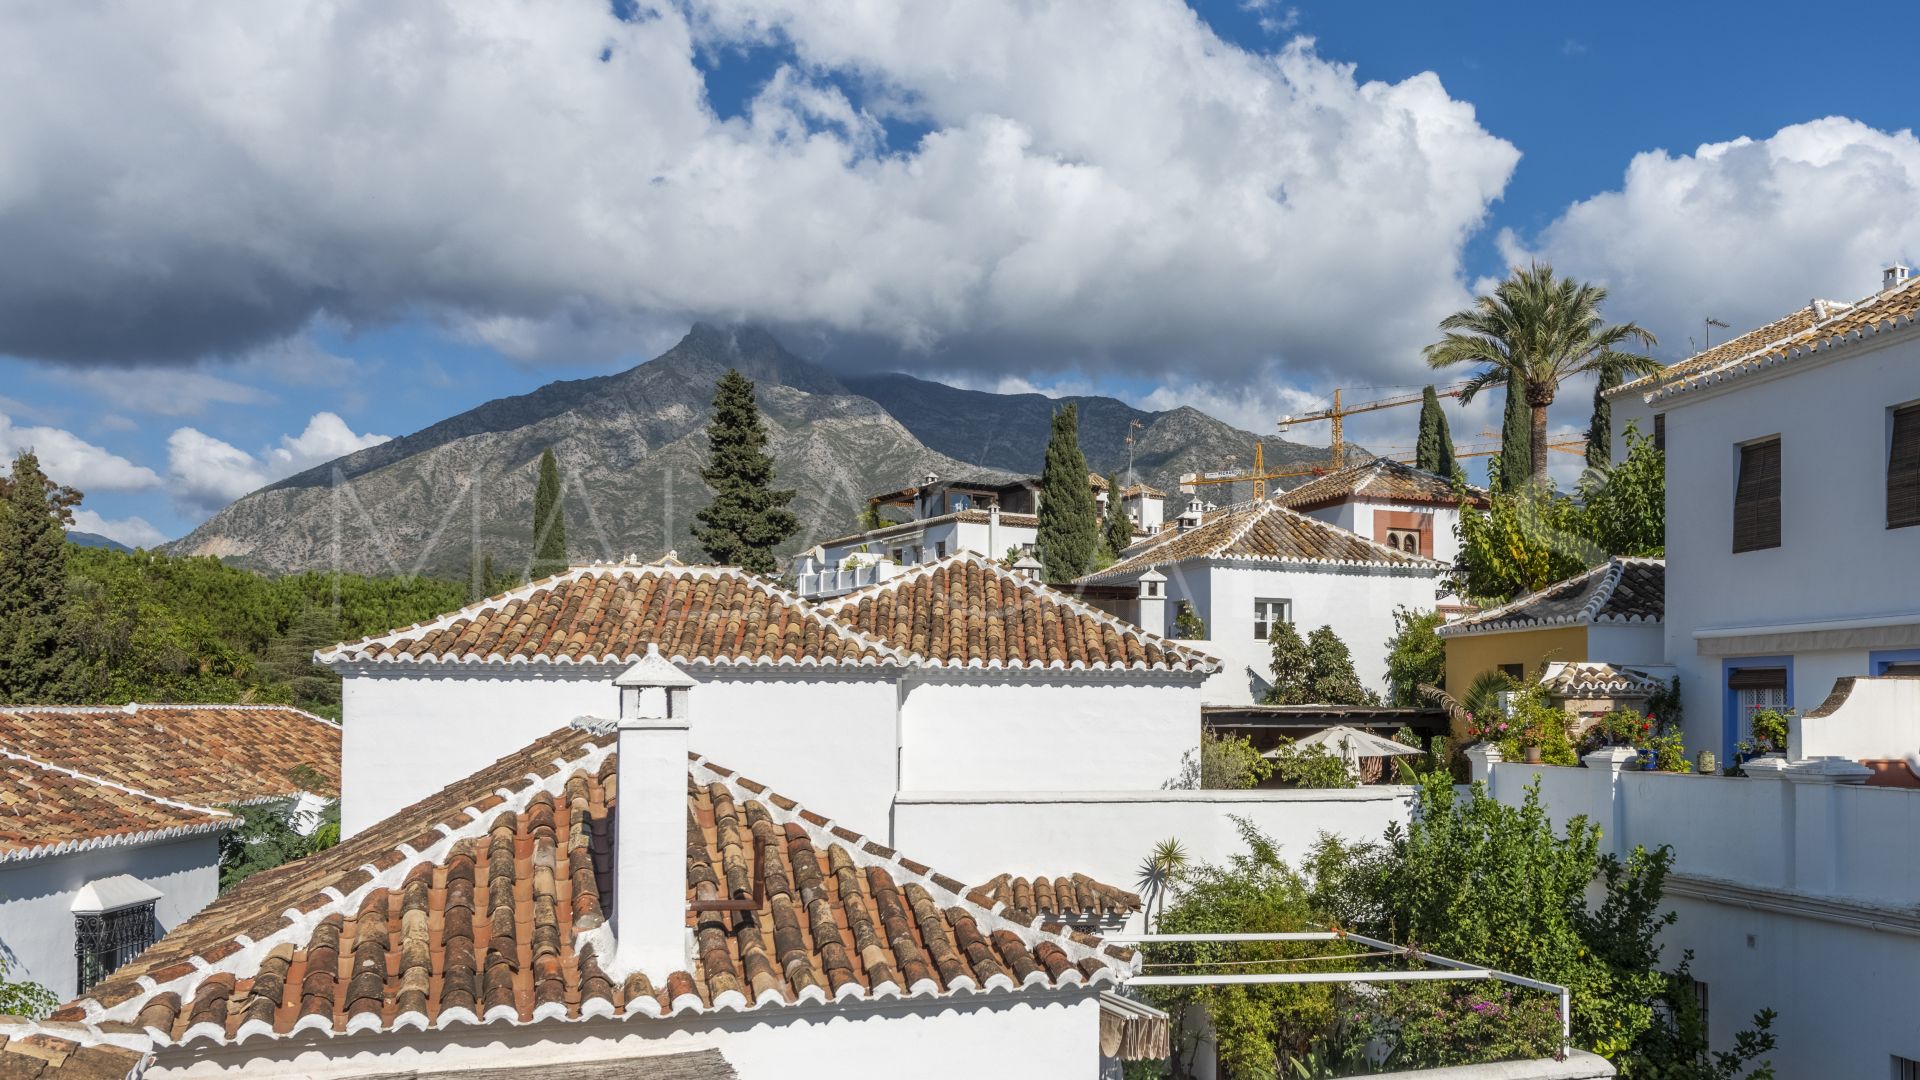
(131, 531)
(208, 473)
(160, 391)
(1746, 230)
(1100, 184)
(68, 459)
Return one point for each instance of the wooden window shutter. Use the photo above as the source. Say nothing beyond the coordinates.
(1903, 469)
(1764, 678)
(1756, 499)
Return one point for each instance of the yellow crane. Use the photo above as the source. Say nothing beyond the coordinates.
(1337, 448)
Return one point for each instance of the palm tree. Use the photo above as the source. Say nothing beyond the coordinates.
(1157, 873)
(1539, 330)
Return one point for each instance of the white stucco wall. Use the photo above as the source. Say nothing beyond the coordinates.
(1627, 644)
(410, 731)
(1026, 1033)
(1837, 559)
(975, 536)
(36, 900)
(1357, 602)
(1007, 732)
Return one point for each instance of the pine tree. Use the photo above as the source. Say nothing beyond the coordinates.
(1069, 534)
(1600, 428)
(1119, 531)
(549, 521)
(1333, 681)
(1292, 668)
(1434, 450)
(1516, 440)
(748, 517)
(40, 661)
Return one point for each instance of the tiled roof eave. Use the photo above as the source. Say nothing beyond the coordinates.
(1503, 626)
(124, 839)
(346, 664)
(1198, 669)
(1432, 566)
(1819, 348)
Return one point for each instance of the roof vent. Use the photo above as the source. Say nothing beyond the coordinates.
(930, 479)
(1894, 274)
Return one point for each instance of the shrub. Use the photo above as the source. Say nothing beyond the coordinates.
(1311, 766)
(1769, 728)
(1415, 655)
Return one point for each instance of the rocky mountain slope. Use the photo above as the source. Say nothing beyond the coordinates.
(630, 446)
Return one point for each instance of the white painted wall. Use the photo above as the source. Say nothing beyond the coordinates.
(1004, 732)
(1878, 720)
(1614, 643)
(1028, 1033)
(1357, 602)
(975, 836)
(828, 741)
(36, 900)
(1844, 985)
(1837, 559)
(924, 544)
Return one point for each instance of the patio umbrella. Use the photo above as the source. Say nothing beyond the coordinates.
(1352, 744)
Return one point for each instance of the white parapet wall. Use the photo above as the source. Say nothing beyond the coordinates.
(1795, 887)
(1863, 718)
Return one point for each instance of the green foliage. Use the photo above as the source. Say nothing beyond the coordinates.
(1118, 535)
(1437, 1025)
(24, 999)
(1415, 655)
(1515, 459)
(1621, 727)
(1158, 871)
(549, 521)
(748, 517)
(1069, 532)
(36, 638)
(1330, 667)
(1535, 722)
(1226, 763)
(1476, 880)
(266, 838)
(1311, 766)
(1534, 331)
(1433, 450)
(1675, 1047)
(1524, 541)
(1291, 666)
(1768, 730)
(1626, 505)
(1600, 427)
(485, 579)
(1187, 625)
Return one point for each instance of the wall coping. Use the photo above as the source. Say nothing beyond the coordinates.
(1365, 793)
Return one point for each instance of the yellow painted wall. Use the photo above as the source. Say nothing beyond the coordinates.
(1472, 654)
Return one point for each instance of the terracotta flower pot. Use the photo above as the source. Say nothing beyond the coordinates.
(1531, 754)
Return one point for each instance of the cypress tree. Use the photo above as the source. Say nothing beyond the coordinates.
(1516, 439)
(549, 521)
(1069, 534)
(1434, 449)
(748, 517)
(1119, 532)
(39, 660)
(1600, 428)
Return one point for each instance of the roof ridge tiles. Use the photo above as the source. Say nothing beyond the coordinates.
(1604, 579)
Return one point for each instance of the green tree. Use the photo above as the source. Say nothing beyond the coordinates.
(1626, 504)
(42, 662)
(1415, 655)
(1524, 540)
(1434, 449)
(1532, 332)
(1600, 426)
(1119, 531)
(1508, 469)
(1187, 623)
(25, 999)
(1676, 1046)
(485, 579)
(1292, 667)
(748, 517)
(549, 521)
(289, 659)
(1331, 674)
(1224, 763)
(1069, 533)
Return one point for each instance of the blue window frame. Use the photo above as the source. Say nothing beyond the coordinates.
(1733, 723)
(1879, 662)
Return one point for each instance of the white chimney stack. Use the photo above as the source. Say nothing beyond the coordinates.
(1153, 603)
(1894, 274)
(650, 821)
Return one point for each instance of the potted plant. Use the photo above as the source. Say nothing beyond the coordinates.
(1769, 728)
(1530, 737)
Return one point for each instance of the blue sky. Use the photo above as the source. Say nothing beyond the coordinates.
(225, 289)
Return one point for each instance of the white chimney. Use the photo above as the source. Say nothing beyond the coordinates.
(1894, 274)
(1028, 567)
(1153, 603)
(650, 821)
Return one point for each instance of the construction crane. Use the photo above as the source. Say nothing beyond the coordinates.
(1565, 444)
(1258, 476)
(1337, 449)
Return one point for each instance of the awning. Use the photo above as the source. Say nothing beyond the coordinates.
(1900, 631)
(112, 894)
(1131, 1030)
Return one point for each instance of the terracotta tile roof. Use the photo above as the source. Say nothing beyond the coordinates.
(1265, 532)
(1811, 332)
(47, 809)
(486, 903)
(217, 755)
(30, 1051)
(1143, 489)
(1598, 678)
(698, 615)
(1620, 590)
(966, 611)
(1068, 895)
(1381, 480)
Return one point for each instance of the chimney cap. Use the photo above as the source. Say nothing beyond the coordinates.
(654, 670)
(1895, 273)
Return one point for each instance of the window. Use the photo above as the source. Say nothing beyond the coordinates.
(1754, 689)
(1660, 432)
(1903, 469)
(1516, 672)
(1905, 1068)
(104, 941)
(1267, 614)
(1756, 497)
(939, 549)
(1407, 540)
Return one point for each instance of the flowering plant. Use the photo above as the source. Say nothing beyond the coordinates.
(1621, 727)
(1491, 728)
(1770, 728)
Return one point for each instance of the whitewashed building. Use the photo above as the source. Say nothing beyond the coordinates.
(110, 821)
(1241, 568)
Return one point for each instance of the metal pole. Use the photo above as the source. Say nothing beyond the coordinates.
(1298, 935)
(1306, 977)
